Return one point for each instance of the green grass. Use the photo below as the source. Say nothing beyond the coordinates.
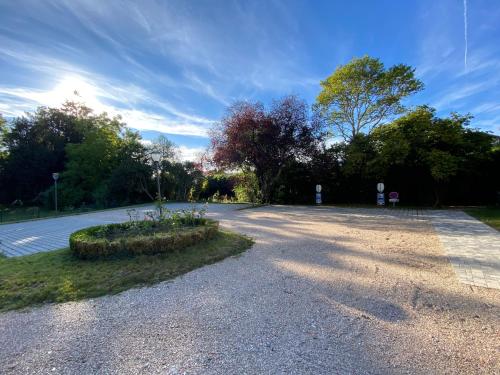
(488, 215)
(58, 276)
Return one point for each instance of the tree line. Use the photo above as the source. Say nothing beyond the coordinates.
(356, 134)
(359, 133)
(101, 162)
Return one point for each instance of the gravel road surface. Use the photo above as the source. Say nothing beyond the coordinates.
(323, 291)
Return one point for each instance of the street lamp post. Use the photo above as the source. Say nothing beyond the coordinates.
(55, 176)
(156, 156)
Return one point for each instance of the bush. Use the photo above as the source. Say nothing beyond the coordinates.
(66, 196)
(140, 237)
(218, 184)
(246, 188)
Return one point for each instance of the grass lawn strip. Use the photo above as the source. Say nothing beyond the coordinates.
(58, 276)
(488, 215)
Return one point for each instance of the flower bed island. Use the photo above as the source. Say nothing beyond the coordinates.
(141, 237)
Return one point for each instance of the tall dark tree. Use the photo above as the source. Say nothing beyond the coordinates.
(91, 162)
(250, 137)
(36, 145)
(130, 180)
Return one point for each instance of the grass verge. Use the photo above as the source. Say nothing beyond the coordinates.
(57, 276)
(488, 215)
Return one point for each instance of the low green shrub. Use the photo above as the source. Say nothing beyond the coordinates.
(141, 237)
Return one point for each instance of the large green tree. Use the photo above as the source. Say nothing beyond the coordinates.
(362, 94)
(427, 151)
(168, 154)
(36, 148)
(130, 180)
(91, 162)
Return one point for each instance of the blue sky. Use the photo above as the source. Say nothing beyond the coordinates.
(174, 66)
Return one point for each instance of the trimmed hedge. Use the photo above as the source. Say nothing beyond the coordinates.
(97, 242)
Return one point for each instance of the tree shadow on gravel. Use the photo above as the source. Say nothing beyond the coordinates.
(300, 301)
(332, 250)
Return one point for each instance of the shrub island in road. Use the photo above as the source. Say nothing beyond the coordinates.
(113, 258)
(141, 237)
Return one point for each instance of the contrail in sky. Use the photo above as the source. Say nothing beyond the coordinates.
(465, 33)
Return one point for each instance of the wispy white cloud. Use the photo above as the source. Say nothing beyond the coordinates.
(450, 96)
(482, 61)
(173, 66)
(191, 153)
(197, 84)
(486, 107)
(466, 41)
(202, 60)
(184, 153)
(97, 95)
(492, 124)
(458, 61)
(149, 121)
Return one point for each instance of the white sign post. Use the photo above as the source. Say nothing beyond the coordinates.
(380, 194)
(318, 194)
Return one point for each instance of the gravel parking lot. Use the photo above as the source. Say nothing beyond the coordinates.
(323, 291)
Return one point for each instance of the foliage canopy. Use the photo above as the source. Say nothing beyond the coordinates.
(251, 137)
(362, 94)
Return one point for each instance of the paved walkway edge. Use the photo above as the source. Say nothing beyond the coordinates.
(472, 247)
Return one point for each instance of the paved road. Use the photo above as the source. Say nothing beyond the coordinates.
(51, 234)
(323, 291)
